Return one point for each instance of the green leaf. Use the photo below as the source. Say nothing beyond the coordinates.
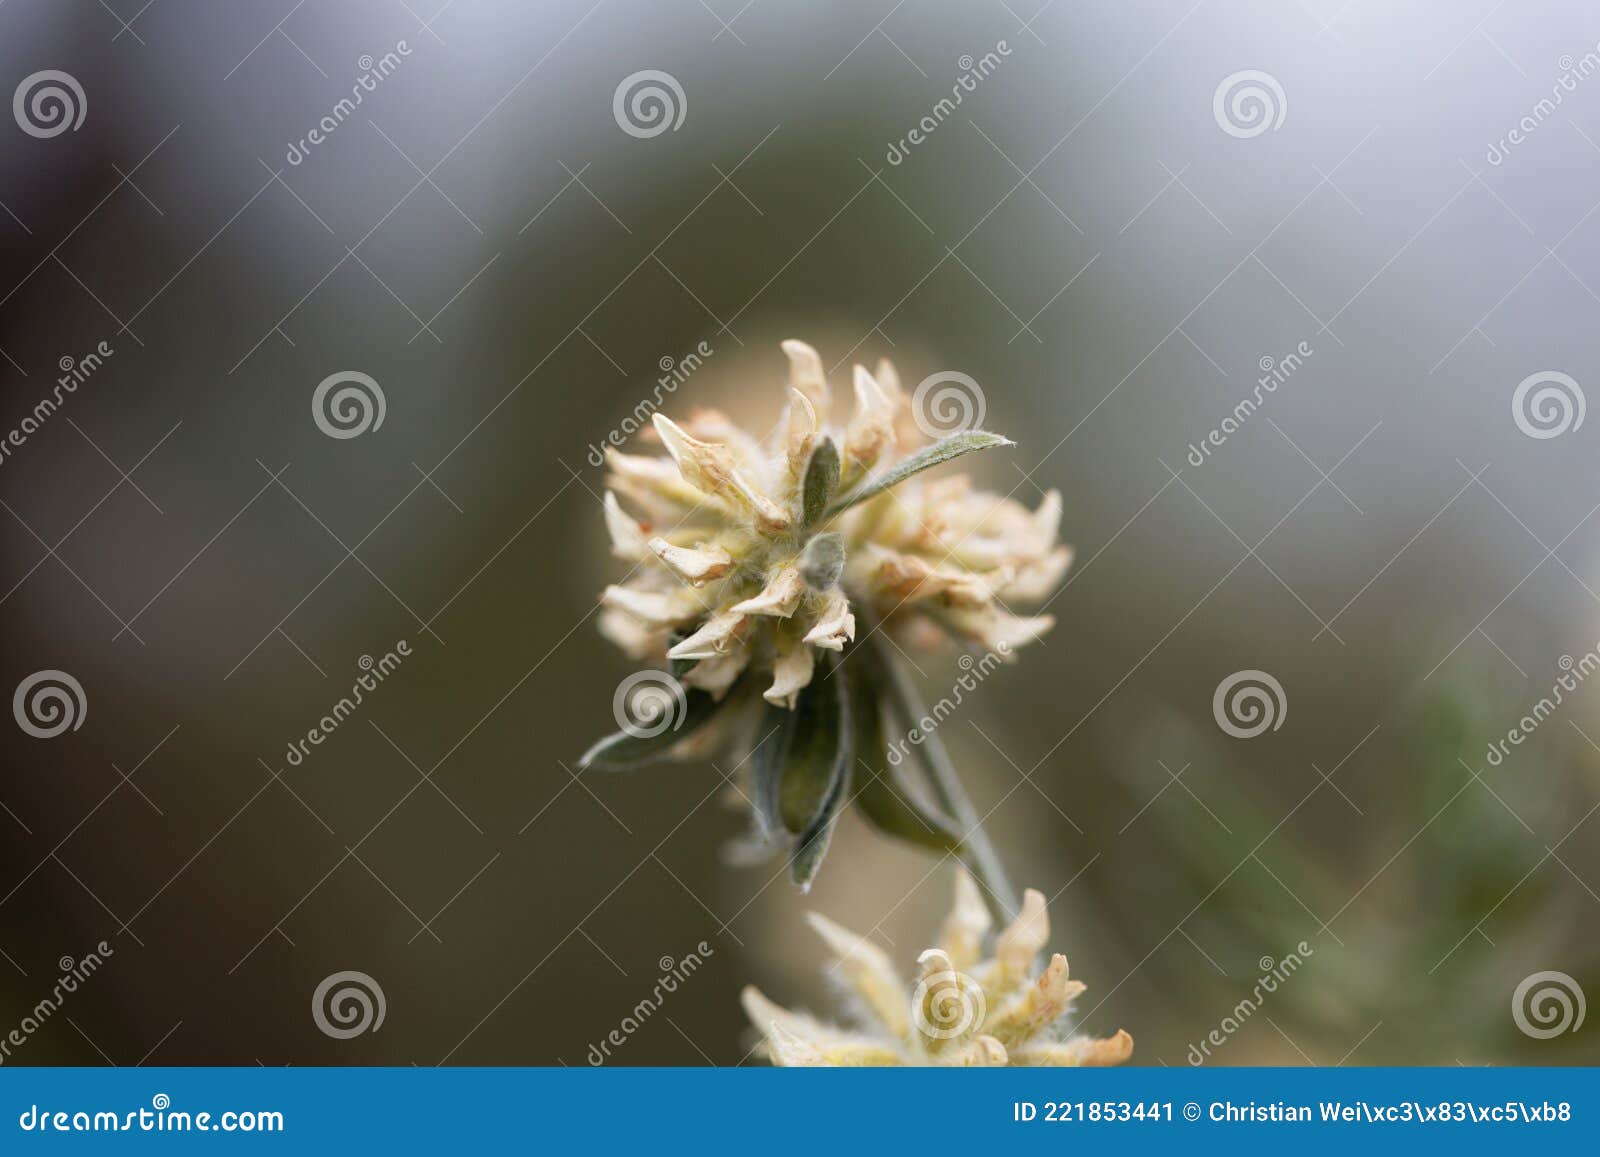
(822, 479)
(809, 854)
(812, 760)
(822, 561)
(767, 763)
(881, 789)
(816, 775)
(929, 456)
(627, 752)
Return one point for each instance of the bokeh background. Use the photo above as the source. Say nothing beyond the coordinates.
(1082, 237)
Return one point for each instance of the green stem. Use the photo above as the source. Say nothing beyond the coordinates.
(979, 853)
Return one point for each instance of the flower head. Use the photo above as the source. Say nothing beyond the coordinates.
(756, 564)
(760, 556)
(963, 1011)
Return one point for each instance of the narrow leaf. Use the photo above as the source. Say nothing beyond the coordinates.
(767, 763)
(809, 854)
(626, 752)
(827, 779)
(929, 456)
(822, 479)
(811, 762)
(881, 788)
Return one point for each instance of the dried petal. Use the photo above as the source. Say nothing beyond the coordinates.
(791, 673)
(694, 565)
(711, 639)
(627, 533)
(807, 375)
(1081, 1052)
(779, 597)
(835, 624)
(868, 970)
(710, 468)
(967, 924)
(1024, 939)
(871, 429)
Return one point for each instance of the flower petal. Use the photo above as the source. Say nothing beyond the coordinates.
(868, 970)
(871, 430)
(711, 639)
(716, 674)
(791, 673)
(807, 375)
(779, 597)
(1024, 939)
(967, 924)
(653, 608)
(1040, 1005)
(1078, 1052)
(627, 533)
(693, 565)
(835, 624)
(710, 467)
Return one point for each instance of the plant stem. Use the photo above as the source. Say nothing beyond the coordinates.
(979, 853)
